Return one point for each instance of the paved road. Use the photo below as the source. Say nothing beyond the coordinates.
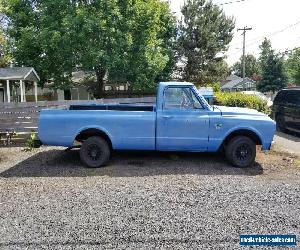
(143, 201)
(287, 143)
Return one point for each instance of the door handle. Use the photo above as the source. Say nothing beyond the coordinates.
(166, 116)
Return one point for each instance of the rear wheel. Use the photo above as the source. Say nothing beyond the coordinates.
(280, 123)
(241, 151)
(95, 152)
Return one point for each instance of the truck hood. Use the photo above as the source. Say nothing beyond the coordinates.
(239, 111)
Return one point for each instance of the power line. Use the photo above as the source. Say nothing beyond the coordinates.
(287, 51)
(273, 34)
(237, 1)
(258, 39)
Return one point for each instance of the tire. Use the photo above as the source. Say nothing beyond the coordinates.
(241, 151)
(280, 123)
(95, 152)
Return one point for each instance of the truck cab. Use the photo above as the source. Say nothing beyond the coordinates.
(182, 118)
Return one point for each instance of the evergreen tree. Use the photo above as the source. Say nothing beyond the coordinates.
(273, 74)
(205, 31)
(265, 50)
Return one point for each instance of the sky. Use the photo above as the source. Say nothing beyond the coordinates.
(277, 20)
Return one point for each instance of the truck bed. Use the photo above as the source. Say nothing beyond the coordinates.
(115, 107)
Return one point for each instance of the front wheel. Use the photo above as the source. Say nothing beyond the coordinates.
(241, 151)
(95, 152)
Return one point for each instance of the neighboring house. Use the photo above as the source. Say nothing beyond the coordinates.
(76, 92)
(79, 90)
(234, 83)
(79, 77)
(19, 84)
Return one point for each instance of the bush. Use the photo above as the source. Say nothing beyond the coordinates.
(242, 100)
(30, 143)
(215, 86)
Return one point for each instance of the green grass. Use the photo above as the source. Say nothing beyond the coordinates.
(297, 162)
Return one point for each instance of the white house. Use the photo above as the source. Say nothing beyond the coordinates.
(17, 83)
(235, 83)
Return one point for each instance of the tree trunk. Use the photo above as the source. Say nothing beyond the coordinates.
(100, 74)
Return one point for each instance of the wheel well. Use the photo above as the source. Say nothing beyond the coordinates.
(244, 132)
(85, 134)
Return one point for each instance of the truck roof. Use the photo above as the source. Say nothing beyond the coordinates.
(175, 83)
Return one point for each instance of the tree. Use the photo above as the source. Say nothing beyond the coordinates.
(252, 66)
(125, 40)
(5, 58)
(42, 38)
(265, 51)
(273, 74)
(205, 31)
(292, 66)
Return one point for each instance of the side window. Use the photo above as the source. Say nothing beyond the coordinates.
(293, 97)
(280, 97)
(180, 98)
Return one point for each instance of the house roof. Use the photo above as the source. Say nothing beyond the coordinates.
(234, 81)
(80, 76)
(19, 73)
(233, 78)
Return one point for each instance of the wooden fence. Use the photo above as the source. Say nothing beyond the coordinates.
(19, 120)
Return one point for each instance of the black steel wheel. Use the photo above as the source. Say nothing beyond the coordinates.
(241, 151)
(95, 152)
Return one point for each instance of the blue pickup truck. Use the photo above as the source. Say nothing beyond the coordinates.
(181, 120)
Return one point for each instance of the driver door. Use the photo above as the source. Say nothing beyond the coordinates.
(183, 123)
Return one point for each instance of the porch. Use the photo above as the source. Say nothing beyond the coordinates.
(17, 84)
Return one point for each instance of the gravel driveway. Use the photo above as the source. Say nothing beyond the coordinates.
(143, 200)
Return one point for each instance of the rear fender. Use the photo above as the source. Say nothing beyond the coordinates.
(93, 127)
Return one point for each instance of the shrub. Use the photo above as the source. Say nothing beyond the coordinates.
(30, 143)
(215, 86)
(241, 100)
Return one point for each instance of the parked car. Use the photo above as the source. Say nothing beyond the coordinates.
(286, 110)
(260, 96)
(181, 120)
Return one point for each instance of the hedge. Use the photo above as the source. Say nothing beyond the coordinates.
(241, 100)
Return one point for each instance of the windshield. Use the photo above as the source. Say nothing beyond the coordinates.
(202, 99)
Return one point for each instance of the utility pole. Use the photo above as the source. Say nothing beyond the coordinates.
(245, 29)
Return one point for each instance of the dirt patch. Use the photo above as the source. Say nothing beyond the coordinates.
(56, 162)
(279, 164)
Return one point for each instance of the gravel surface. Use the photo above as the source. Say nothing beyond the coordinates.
(48, 200)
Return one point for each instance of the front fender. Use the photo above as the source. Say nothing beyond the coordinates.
(237, 128)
